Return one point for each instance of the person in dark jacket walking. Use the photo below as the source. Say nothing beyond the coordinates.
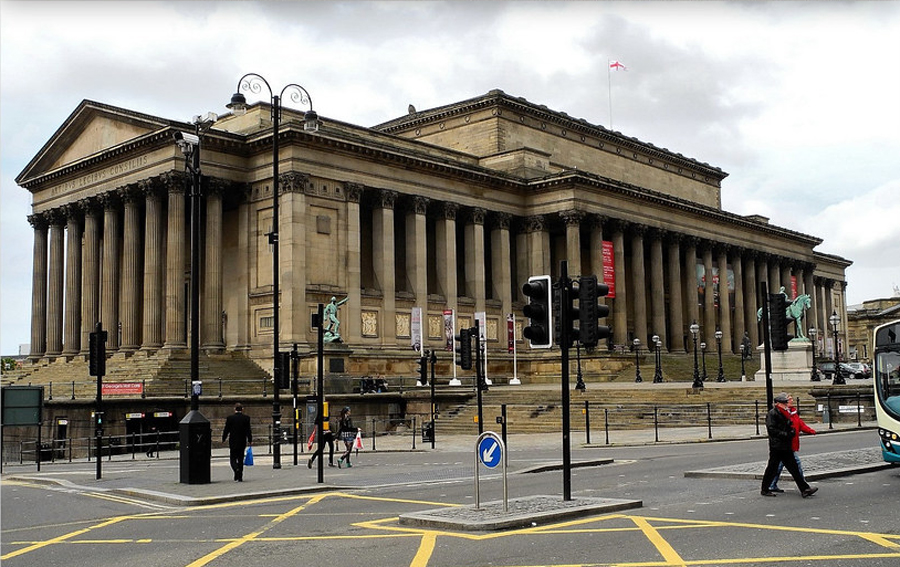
(237, 432)
(347, 434)
(780, 429)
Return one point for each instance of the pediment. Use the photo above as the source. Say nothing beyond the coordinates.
(91, 129)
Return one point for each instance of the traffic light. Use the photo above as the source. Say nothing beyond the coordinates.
(779, 321)
(589, 311)
(563, 306)
(465, 348)
(97, 352)
(539, 311)
(283, 374)
(423, 370)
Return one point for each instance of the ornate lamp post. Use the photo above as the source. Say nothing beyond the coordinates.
(254, 83)
(637, 360)
(720, 377)
(657, 373)
(835, 321)
(703, 377)
(695, 330)
(814, 374)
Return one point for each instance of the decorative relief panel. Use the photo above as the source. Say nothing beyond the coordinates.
(491, 326)
(369, 321)
(435, 326)
(403, 325)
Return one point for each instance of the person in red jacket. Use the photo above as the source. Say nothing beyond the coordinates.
(799, 426)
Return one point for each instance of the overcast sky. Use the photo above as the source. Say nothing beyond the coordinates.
(798, 101)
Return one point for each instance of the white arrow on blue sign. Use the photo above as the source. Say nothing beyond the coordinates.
(489, 452)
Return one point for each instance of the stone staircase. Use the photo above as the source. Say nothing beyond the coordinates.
(162, 373)
(539, 410)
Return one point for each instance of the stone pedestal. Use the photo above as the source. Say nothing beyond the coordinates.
(795, 363)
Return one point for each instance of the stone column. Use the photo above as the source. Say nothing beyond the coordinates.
(751, 289)
(657, 289)
(132, 270)
(211, 318)
(239, 327)
(445, 252)
(708, 327)
(724, 299)
(774, 274)
(383, 260)
(55, 285)
(474, 237)
(737, 334)
(417, 256)
(177, 239)
(620, 302)
(691, 294)
(829, 308)
(72, 344)
(154, 290)
(538, 245)
(639, 279)
(572, 220)
(110, 270)
(353, 191)
(90, 297)
(676, 296)
(293, 241)
(38, 288)
(501, 260)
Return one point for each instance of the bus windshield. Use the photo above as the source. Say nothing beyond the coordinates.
(887, 380)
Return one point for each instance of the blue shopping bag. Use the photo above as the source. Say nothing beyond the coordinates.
(248, 458)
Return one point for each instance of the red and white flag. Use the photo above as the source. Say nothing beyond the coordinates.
(615, 65)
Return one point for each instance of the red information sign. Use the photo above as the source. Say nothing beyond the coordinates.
(609, 268)
(122, 388)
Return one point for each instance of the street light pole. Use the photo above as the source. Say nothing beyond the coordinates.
(657, 360)
(703, 351)
(253, 82)
(721, 376)
(695, 330)
(835, 321)
(814, 375)
(637, 361)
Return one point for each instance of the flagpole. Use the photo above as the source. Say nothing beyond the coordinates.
(609, 87)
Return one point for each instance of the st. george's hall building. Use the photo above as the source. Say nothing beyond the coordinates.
(441, 211)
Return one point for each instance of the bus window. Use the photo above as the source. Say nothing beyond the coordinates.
(887, 380)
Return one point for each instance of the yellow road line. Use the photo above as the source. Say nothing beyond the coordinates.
(426, 548)
(667, 551)
(62, 538)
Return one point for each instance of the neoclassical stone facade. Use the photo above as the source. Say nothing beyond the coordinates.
(449, 208)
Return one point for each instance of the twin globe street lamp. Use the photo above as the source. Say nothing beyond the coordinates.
(657, 374)
(254, 83)
(814, 375)
(695, 330)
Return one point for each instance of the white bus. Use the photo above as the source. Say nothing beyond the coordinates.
(886, 374)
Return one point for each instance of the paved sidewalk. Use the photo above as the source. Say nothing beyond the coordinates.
(393, 462)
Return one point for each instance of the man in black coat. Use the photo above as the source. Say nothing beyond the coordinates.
(780, 429)
(237, 432)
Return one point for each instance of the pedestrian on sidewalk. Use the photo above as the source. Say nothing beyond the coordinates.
(799, 427)
(347, 434)
(237, 432)
(780, 430)
(152, 443)
(328, 437)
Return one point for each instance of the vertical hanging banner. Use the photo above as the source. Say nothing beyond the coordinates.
(449, 331)
(511, 333)
(609, 268)
(481, 323)
(794, 287)
(415, 329)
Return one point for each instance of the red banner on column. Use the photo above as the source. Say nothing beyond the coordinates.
(510, 333)
(609, 268)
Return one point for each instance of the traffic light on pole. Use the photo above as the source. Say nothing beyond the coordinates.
(97, 352)
(589, 310)
(283, 377)
(465, 348)
(539, 311)
(779, 321)
(423, 370)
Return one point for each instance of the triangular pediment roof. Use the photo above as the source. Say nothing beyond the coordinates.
(92, 129)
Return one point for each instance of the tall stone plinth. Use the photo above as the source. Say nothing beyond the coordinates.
(795, 363)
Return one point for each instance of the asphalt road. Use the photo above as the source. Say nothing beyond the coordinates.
(853, 520)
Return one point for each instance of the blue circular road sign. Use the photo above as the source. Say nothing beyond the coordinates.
(490, 452)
